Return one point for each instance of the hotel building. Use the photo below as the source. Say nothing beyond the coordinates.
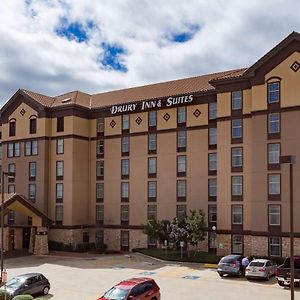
(100, 165)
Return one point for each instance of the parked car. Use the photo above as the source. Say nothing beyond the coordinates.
(230, 265)
(283, 273)
(30, 283)
(133, 289)
(261, 268)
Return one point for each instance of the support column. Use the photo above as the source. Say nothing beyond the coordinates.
(31, 240)
(41, 241)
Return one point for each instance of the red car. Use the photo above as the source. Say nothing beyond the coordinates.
(134, 289)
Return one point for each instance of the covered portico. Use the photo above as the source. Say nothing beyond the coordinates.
(18, 236)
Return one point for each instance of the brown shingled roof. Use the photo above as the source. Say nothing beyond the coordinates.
(42, 99)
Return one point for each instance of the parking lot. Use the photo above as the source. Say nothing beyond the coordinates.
(86, 278)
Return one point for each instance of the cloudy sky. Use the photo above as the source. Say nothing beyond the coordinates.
(55, 46)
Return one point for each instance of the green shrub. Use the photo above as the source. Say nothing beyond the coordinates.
(23, 297)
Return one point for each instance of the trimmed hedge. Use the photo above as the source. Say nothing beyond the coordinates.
(23, 297)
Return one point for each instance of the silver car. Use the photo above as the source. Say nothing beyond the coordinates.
(230, 265)
(261, 269)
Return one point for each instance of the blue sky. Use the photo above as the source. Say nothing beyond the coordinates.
(57, 46)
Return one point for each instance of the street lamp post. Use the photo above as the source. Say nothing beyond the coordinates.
(291, 160)
(214, 236)
(9, 175)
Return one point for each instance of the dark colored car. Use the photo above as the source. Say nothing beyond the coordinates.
(30, 283)
(133, 289)
(283, 273)
(230, 265)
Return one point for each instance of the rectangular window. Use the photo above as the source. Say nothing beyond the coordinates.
(99, 214)
(125, 144)
(212, 108)
(212, 161)
(212, 136)
(152, 144)
(212, 187)
(12, 169)
(181, 212)
(273, 153)
(59, 191)
(152, 118)
(274, 246)
(125, 190)
(100, 168)
(32, 125)
(212, 213)
(100, 146)
(274, 215)
(181, 189)
(181, 139)
(32, 170)
(237, 244)
(100, 125)
(17, 149)
(273, 92)
(151, 190)
(125, 122)
(12, 128)
(237, 100)
(34, 147)
(99, 239)
(237, 214)
(181, 115)
(151, 212)
(28, 148)
(100, 191)
(124, 240)
(32, 192)
(181, 164)
(236, 157)
(125, 167)
(59, 146)
(152, 165)
(60, 124)
(11, 217)
(124, 214)
(274, 123)
(274, 184)
(237, 185)
(10, 150)
(59, 170)
(236, 129)
(59, 213)
(11, 188)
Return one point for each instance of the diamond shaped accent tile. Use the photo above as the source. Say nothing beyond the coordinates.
(23, 111)
(166, 117)
(112, 123)
(138, 120)
(197, 113)
(295, 66)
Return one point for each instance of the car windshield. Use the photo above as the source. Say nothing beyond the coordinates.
(15, 283)
(116, 294)
(257, 264)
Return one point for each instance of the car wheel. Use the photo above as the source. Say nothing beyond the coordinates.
(268, 277)
(281, 283)
(46, 290)
(154, 299)
(221, 274)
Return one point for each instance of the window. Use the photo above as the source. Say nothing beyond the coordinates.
(11, 217)
(12, 128)
(124, 240)
(274, 246)
(237, 185)
(99, 238)
(152, 142)
(125, 122)
(212, 136)
(212, 110)
(273, 153)
(125, 144)
(151, 212)
(124, 213)
(237, 214)
(274, 215)
(212, 187)
(236, 129)
(100, 191)
(11, 188)
(59, 146)
(32, 170)
(100, 168)
(273, 92)
(100, 146)
(60, 124)
(152, 118)
(274, 123)
(32, 192)
(274, 184)
(13, 149)
(181, 139)
(237, 157)
(181, 212)
(99, 214)
(181, 115)
(59, 191)
(152, 162)
(237, 244)
(125, 190)
(32, 125)
(181, 188)
(100, 125)
(212, 213)
(212, 161)
(31, 148)
(181, 164)
(59, 170)
(11, 169)
(237, 100)
(152, 189)
(125, 167)
(59, 212)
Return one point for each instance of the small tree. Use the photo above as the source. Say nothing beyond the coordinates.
(158, 230)
(178, 231)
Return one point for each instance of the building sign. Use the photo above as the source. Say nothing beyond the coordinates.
(151, 104)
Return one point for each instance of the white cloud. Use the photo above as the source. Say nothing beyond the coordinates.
(232, 34)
